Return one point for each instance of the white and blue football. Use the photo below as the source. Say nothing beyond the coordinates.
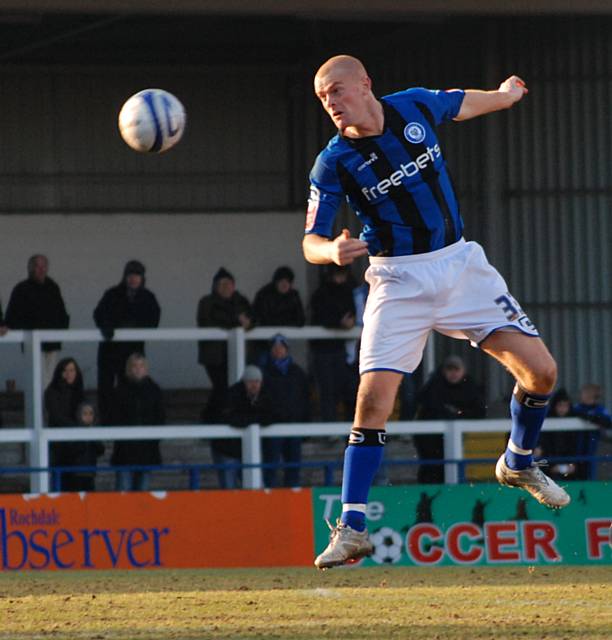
(152, 121)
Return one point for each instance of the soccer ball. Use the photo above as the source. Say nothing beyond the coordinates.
(152, 121)
(387, 546)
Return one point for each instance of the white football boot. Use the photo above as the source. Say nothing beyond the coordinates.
(345, 544)
(544, 489)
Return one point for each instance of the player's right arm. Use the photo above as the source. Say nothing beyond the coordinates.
(326, 194)
(342, 250)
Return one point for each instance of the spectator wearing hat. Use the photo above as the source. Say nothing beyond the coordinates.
(278, 304)
(333, 306)
(246, 402)
(128, 305)
(224, 308)
(450, 394)
(286, 384)
(37, 303)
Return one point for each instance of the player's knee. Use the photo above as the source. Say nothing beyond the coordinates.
(548, 375)
(372, 406)
(542, 376)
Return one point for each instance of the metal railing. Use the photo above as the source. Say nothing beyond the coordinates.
(252, 436)
(38, 437)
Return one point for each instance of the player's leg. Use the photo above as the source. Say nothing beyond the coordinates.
(362, 458)
(535, 371)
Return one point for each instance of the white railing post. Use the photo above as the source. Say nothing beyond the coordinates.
(236, 355)
(453, 450)
(251, 454)
(38, 454)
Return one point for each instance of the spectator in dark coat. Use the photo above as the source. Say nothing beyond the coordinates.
(246, 402)
(450, 394)
(224, 308)
(287, 385)
(129, 305)
(591, 408)
(137, 401)
(333, 307)
(278, 304)
(37, 303)
(82, 454)
(62, 397)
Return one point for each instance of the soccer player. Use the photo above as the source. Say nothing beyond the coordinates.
(387, 161)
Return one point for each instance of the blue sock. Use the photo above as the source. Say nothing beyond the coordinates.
(362, 458)
(528, 411)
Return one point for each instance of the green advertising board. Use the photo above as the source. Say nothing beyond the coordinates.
(482, 524)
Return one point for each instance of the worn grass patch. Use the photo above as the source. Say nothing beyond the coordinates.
(384, 603)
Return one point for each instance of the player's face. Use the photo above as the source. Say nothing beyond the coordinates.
(343, 97)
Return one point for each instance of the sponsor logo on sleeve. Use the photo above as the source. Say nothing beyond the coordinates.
(313, 207)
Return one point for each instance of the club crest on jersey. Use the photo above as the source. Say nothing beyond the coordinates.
(414, 132)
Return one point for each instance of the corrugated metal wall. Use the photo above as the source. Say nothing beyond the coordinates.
(62, 151)
(535, 183)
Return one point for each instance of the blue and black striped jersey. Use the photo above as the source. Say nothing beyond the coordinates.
(396, 182)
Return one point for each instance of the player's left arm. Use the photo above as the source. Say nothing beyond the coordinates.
(478, 103)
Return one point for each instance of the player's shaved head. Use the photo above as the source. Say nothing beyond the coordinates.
(343, 65)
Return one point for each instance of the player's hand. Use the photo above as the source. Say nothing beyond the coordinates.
(345, 249)
(515, 88)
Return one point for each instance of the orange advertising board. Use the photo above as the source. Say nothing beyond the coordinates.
(149, 530)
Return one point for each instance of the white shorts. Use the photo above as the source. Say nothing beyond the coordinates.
(454, 291)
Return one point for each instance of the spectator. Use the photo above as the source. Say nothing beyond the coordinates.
(450, 394)
(246, 402)
(333, 307)
(137, 401)
(287, 386)
(129, 305)
(560, 443)
(62, 397)
(225, 308)
(83, 454)
(278, 304)
(37, 303)
(592, 409)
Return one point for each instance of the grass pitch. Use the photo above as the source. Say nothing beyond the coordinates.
(383, 603)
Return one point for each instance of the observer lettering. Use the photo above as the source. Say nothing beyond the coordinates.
(68, 549)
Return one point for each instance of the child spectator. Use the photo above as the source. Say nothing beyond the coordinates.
(84, 454)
